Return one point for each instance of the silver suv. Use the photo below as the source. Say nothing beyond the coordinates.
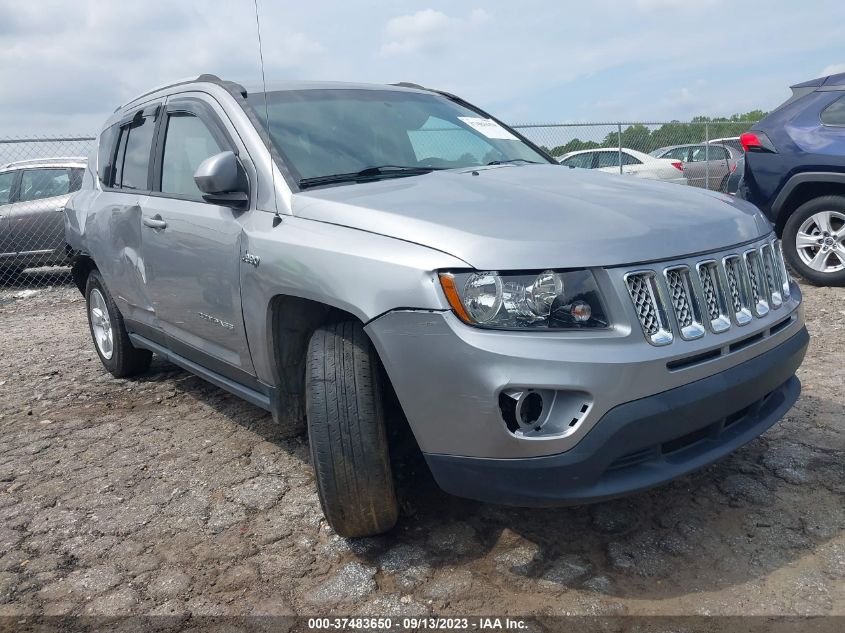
(33, 194)
(553, 336)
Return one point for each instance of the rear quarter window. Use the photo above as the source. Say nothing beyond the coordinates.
(834, 114)
(105, 155)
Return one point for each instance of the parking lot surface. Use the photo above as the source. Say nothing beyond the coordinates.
(166, 495)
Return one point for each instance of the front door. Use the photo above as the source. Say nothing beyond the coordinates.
(192, 248)
(37, 218)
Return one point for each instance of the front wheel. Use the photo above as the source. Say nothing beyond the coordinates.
(814, 241)
(346, 431)
(109, 334)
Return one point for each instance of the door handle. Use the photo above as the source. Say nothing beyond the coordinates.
(155, 222)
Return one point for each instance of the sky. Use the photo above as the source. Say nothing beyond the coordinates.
(65, 65)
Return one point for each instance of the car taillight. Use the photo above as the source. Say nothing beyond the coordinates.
(678, 165)
(756, 142)
(733, 168)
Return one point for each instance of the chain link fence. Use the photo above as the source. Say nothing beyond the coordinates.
(698, 153)
(38, 174)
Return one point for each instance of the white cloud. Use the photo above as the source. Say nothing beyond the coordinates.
(66, 64)
(833, 69)
(427, 30)
(69, 79)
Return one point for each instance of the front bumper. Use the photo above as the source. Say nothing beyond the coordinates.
(641, 444)
(449, 376)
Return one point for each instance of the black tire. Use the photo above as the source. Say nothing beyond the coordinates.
(126, 360)
(346, 431)
(723, 186)
(790, 231)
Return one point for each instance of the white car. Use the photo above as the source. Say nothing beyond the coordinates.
(633, 162)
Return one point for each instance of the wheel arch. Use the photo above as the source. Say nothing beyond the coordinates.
(80, 268)
(291, 321)
(802, 188)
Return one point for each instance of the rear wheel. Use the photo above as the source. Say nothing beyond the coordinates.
(346, 431)
(108, 332)
(814, 241)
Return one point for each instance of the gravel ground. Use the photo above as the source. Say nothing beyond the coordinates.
(165, 495)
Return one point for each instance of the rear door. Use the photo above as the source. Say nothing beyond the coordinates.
(696, 169)
(7, 188)
(718, 167)
(114, 232)
(37, 219)
(193, 248)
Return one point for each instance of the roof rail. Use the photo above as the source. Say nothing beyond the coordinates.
(36, 161)
(408, 84)
(231, 86)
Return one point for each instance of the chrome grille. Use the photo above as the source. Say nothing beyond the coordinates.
(714, 296)
(732, 272)
(708, 286)
(680, 301)
(772, 281)
(642, 288)
(783, 274)
(731, 291)
(757, 283)
(684, 302)
(738, 286)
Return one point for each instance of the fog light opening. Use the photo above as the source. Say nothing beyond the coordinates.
(522, 410)
(529, 410)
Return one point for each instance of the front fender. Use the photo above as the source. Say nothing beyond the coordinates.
(362, 273)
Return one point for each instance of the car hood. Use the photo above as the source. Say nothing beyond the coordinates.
(539, 216)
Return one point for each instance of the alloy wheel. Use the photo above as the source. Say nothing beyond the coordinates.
(101, 324)
(820, 241)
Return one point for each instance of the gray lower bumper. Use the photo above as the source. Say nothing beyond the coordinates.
(448, 376)
(642, 443)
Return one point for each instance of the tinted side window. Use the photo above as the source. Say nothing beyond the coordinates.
(679, 153)
(608, 159)
(584, 161)
(105, 155)
(718, 153)
(44, 183)
(187, 144)
(698, 154)
(6, 181)
(136, 162)
(627, 159)
(834, 114)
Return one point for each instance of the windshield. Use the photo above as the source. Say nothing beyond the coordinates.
(323, 133)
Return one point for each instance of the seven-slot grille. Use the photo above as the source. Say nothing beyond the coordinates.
(728, 291)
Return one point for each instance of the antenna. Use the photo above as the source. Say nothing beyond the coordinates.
(277, 219)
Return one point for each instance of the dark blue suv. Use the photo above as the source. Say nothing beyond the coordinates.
(795, 173)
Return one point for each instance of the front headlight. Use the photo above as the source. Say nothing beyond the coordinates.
(548, 300)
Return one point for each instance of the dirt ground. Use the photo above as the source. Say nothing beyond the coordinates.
(166, 495)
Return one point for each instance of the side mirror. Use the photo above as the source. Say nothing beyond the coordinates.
(222, 180)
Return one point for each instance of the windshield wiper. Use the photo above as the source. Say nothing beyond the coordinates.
(370, 173)
(513, 160)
